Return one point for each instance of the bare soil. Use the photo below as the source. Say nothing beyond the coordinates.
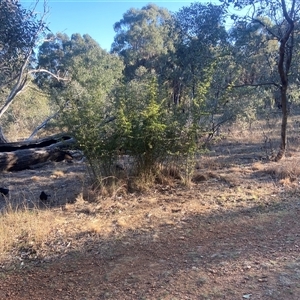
(233, 234)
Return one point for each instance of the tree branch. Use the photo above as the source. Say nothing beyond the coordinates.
(253, 85)
(42, 125)
(22, 77)
(265, 26)
(48, 72)
(283, 41)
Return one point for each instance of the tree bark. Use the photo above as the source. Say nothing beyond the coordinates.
(22, 155)
(284, 120)
(2, 137)
(284, 64)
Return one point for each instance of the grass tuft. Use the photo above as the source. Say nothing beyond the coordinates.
(24, 228)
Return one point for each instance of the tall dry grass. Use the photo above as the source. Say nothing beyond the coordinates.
(21, 228)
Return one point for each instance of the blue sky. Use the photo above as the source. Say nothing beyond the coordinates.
(97, 17)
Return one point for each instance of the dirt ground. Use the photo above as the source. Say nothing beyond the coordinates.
(234, 234)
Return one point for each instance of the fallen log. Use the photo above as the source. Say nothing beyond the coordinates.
(19, 156)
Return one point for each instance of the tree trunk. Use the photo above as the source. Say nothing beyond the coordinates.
(284, 64)
(284, 105)
(2, 137)
(22, 155)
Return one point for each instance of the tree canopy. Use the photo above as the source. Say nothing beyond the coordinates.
(142, 36)
(19, 30)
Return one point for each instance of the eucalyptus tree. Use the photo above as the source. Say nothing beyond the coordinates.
(57, 54)
(200, 47)
(279, 20)
(52, 56)
(253, 70)
(201, 35)
(86, 64)
(21, 30)
(143, 38)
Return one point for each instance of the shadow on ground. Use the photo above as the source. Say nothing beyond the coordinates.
(63, 181)
(223, 255)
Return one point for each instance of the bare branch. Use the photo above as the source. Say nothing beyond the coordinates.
(3, 140)
(50, 73)
(283, 73)
(46, 121)
(42, 125)
(22, 79)
(253, 85)
(266, 27)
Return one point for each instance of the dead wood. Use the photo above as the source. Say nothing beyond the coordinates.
(19, 156)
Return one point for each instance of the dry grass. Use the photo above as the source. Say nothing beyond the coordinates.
(35, 178)
(25, 228)
(57, 174)
(211, 163)
(258, 166)
(286, 169)
(171, 171)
